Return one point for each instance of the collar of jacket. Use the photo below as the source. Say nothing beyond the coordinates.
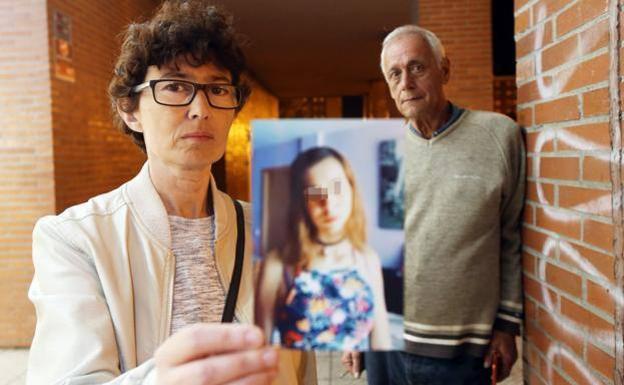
(150, 209)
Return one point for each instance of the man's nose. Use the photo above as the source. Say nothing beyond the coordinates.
(406, 81)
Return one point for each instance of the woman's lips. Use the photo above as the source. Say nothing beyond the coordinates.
(330, 219)
(198, 136)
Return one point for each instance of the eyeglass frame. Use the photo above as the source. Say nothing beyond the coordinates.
(196, 86)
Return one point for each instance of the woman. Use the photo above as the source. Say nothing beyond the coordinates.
(323, 289)
(131, 286)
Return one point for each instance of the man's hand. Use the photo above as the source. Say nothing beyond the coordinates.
(215, 354)
(352, 362)
(505, 345)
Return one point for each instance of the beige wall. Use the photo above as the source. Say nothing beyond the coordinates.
(26, 168)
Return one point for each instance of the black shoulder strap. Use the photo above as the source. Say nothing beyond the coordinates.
(232, 294)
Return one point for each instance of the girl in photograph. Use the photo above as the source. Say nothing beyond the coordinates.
(323, 288)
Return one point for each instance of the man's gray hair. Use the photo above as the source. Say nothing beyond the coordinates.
(434, 43)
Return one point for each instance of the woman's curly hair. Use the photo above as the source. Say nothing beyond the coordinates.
(190, 29)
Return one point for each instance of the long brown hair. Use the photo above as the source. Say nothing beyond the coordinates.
(300, 243)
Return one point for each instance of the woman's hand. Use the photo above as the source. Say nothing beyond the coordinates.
(352, 362)
(215, 354)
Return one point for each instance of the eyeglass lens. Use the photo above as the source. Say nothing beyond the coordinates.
(173, 92)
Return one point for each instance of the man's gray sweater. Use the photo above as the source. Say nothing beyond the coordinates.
(464, 199)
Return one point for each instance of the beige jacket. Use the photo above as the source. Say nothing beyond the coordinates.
(103, 287)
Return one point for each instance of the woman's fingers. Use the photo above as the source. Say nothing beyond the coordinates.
(201, 340)
(228, 368)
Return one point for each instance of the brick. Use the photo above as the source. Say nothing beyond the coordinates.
(598, 234)
(538, 338)
(535, 40)
(584, 137)
(580, 13)
(596, 169)
(552, 324)
(548, 371)
(520, 3)
(543, 139)
(545, 190)
(468, 45)
(530, 91)
(576, 372)
(528, 263)
(601, 361)
(539, 292)
(545, 8)
(582, 256)
(525, 117)
(559, 168)
(596, 102)
(558, 221)
(531, 171)
(530, 311)
(586, 319)
(563, 279)
(534, 239)
(528, 215)
(601, 297)
(591, 201)
(585, 73)
(560, 53)
(595, 37)
(558, 110)
(525, 69)
(523, 21)
(534, 379)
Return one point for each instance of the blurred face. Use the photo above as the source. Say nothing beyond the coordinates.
(191, 137)
(414, 77)
(329, 198)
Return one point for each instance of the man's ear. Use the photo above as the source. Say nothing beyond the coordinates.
(446, 70)
(130, 118)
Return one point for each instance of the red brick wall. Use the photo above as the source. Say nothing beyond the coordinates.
(464, 26)
(26, 170)
(90, 155)
(571, 290)
(261, 105)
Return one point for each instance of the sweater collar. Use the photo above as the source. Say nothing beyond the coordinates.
(150, 210)
(455, 112)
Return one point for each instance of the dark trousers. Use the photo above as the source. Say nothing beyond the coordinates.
(398, 368)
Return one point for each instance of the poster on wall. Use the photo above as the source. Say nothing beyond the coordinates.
(63, 52)
(325, 265)
(391, 188)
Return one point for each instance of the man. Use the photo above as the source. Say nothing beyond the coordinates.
(464, 188)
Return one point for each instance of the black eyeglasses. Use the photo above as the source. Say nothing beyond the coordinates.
(173, 92)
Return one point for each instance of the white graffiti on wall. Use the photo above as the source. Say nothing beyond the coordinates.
(599, 206)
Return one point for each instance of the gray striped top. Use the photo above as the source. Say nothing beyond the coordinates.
(198, 294)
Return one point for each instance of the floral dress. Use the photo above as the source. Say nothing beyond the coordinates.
(327, 310)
